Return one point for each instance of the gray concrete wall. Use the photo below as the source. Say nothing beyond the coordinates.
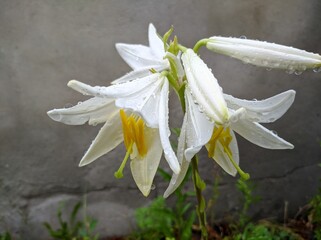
(45, 43)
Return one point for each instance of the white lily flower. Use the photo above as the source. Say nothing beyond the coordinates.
(264, 54)
(148, 98)
(197, 131)
(142, 143)
(204, 88)
(143, 58)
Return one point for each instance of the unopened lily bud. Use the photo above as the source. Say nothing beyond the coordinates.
(265, 54)
(205, 88)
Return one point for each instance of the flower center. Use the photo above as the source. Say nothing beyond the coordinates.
(133, 131)
(224, 137)
(134, 140)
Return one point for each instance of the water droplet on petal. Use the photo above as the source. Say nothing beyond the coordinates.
(153, 187)
(317, 69)
(274, 132)
(242, 37)
(68, 105)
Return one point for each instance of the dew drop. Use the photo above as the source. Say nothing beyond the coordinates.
(173, 180)
(271, 119)
(68, 105)
(317, 69)
(153, 187)
(246, 60)
(274, 132)
(242, 37)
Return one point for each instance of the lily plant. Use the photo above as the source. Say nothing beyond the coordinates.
(134, 109)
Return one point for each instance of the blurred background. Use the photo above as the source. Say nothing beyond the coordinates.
(46, 43)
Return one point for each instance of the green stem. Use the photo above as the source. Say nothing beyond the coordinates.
(199, 186)
(182, 48)
(199, 44)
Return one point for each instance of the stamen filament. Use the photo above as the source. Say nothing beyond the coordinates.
(212, 142)
(119, 173)
(243, 174)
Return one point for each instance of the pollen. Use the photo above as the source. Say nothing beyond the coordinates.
(133, 132)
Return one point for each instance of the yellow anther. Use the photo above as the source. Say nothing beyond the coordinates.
(224, 137)
(133, 132)
(212, 142)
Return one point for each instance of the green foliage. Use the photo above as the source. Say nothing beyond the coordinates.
(5, 236)
(158, 221)
(73, 229)
(266, 231)
(315, 214)
(246, 188)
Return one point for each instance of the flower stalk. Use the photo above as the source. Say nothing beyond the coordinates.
(199, 186)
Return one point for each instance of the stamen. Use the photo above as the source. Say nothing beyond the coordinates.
(119, 173)
(133, 132)
(212, 142)
(224, 137)
(243, 174)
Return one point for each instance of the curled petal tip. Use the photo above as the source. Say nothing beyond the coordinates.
(72, 83)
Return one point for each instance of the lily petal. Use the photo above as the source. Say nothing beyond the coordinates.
(164, 131)
(259, 135)
(204, 87)
(144, 170)
(94, 110)
(264, 111)
(114, 91)
(177, 179)
(155, 42)
(222, 158)
(109, 137)
(139, 73)
(264, 54)
(199, 129)
(138, 56)
(145, 102)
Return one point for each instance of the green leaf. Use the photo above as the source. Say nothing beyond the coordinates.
(165, 175)
(75, 212)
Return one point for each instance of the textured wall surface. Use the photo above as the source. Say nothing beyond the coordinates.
(45, 43)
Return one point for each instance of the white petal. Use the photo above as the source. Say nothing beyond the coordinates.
(265, 54)
(177, 179)
(164, 131)
(204, 87)
(109, 137)
(267, 110)
(259, 135)
(145, 102)
(155, 43)
(138, 56)
(94, 110)
(222, 158)
(139, 73)
(114, 91)
(199, 129)
(144, 170)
